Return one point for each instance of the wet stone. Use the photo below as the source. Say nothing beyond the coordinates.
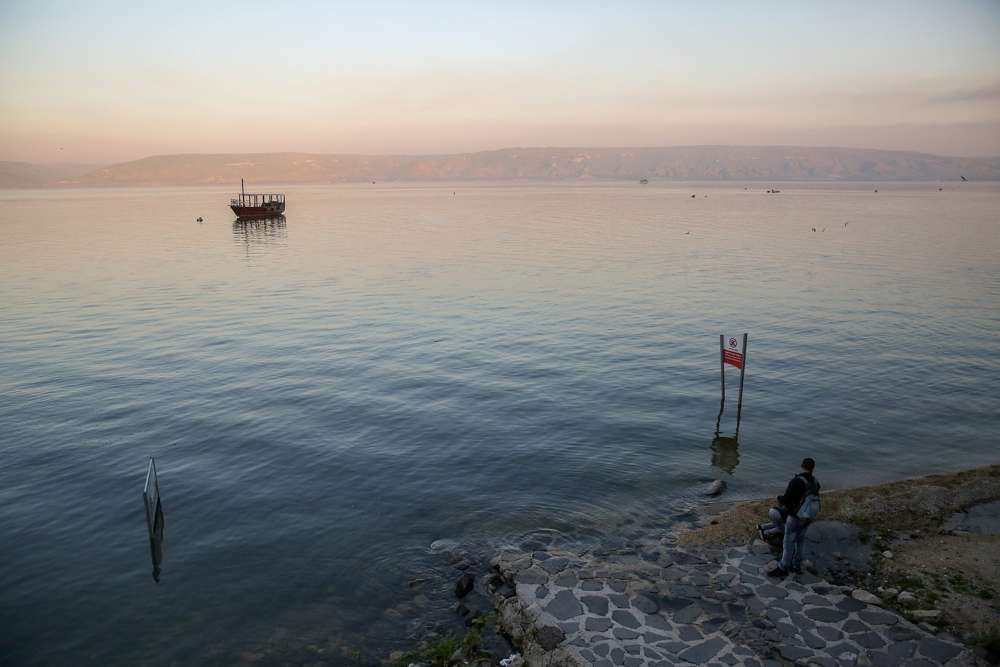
(624, 633)
(591, 585)
(553, 565)
(701, 653)
(618, 656)
(618, 600)
(625, 618)
(595, 604)
(688, 615)
(850, 604)
(854, 625)
(617, 585)
(658, 622)
(900, 651)
(935, 649)
(826, 615)
(597, 624)
(602, 650)
(790, 605)
(645, 604)
(812, 641)
(689, 633)
(632, 649)
(816, 600)
(869, 640)
(566, 580)
(787, 629)
(878, 617)
(531, 576)
(771, 591)
(633, 661)
(564, 606)
(549, 637)
(541, 592)
(790, 652)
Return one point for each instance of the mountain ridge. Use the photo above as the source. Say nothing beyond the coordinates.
(681, 163)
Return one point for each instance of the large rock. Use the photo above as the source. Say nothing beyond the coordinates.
(464, 585)
(715, 488)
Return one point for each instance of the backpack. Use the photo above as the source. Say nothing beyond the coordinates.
(809, 507)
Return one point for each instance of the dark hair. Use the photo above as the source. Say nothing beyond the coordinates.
(808, 464)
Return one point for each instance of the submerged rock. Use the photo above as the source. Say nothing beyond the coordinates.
(464, 585)
(715, 488)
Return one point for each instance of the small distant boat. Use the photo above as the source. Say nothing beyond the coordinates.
(773, 191)
(250, 205)
(644, 181)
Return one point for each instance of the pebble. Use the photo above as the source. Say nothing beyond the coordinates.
(926, 614)
(907, 599)
(887, 554)
(861, 595)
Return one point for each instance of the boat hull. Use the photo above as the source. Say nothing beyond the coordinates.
(252, 212)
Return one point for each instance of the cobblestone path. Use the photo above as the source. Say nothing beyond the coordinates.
(665, 605)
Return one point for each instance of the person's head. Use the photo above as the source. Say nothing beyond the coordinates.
(808, 464)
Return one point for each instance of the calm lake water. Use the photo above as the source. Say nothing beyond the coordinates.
(401, 364)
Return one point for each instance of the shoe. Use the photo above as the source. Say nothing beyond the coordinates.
(778, 572)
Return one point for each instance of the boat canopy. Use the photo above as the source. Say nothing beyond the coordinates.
(257, 199)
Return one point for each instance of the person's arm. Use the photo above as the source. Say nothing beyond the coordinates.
(793, 494)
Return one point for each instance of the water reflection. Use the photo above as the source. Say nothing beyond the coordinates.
(725, 453)
(260, 231)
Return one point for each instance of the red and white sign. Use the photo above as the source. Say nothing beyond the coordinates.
(732, 350)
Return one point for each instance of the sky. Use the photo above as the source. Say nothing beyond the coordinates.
(106, 82)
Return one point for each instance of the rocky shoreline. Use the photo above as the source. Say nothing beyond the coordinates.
(703, 597)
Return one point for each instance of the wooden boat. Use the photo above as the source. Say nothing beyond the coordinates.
(251, 205)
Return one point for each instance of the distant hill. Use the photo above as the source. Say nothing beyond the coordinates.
(29, 175)
(723, 163)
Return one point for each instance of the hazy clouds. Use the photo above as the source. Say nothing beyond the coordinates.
(111, 82)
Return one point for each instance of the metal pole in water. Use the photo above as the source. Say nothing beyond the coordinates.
(722, 372)
(739, 403)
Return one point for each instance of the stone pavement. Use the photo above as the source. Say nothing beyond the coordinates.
(661, 604)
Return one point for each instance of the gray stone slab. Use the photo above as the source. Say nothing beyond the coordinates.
(850, 604)
(704, 651)
(900, 651)
(626, 618)
(624, 633)
(853, 625)
(981, 519)
(619, 600)
(935, 649)
(825, 614)
(688, 615)
(658, 622)
(591, 585)
(869, 639)
(645, 604)
(771, 591)
(689, 633)
(597, 624)
(564, 606)
(531, 576)
(596, 604)
(553, 565)
(873, 617)
(566, 580)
